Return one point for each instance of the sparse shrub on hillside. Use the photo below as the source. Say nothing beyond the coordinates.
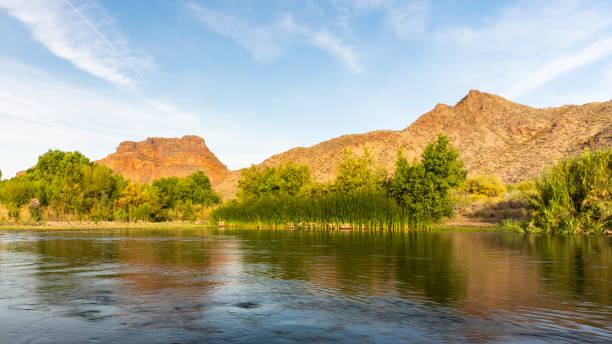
(527, 188)
(485, 185)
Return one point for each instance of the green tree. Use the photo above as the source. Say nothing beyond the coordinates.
(422, 189)
(199, 189)
(168, 191)
(358, 173)
(288, 179)
(98, 187)
(134, 203)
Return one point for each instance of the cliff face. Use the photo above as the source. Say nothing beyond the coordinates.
(164, 157)
(494, 135)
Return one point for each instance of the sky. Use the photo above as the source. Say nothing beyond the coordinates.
(256, 77)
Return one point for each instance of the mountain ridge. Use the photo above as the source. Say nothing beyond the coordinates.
(494, 136)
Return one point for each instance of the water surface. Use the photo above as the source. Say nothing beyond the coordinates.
(193, 286)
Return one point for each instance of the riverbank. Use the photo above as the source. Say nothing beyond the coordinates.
(458, 222)
(105, 225)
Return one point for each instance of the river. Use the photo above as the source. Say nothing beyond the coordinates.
(235, 286)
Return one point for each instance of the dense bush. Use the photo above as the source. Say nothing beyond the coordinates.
(358, 173)
(422, 188)
(574, 196)
(287, 179)
(484, 185)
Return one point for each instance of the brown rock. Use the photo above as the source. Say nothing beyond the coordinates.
(159, 157)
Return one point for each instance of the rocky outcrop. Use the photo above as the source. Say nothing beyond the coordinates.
(158, 157)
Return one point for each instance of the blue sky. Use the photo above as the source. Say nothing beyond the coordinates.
(255, 78)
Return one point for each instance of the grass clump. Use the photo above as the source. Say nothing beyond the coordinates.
(574, 196)
(362, 209)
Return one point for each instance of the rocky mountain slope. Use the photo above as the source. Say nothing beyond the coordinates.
(158, 157)
(494, 135)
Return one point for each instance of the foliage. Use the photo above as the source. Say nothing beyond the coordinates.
(423, 188)
(67, 186)
(417, 195)
(372, 209)
(196, 188)
(527, 187)
(288, 179)
(574, 196)
(358, 173)
(485, 185)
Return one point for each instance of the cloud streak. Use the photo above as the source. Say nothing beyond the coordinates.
(64, 29)
(594, 52)
(531, 43)
(259, 41)
(324, 40)
(407, 18)
(265, 42)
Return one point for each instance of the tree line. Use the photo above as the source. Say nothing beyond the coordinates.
(68, 186)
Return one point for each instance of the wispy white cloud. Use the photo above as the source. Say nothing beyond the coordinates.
(532, 27)
(546, 73)
(259, 41)
(34, 104)
(406, 18)
(84, 35)
(530, 43)
(266, 42)
(324, 40)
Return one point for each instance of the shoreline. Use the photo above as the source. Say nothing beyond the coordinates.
(458, 223)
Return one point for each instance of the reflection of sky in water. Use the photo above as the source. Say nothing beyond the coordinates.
(277, 286)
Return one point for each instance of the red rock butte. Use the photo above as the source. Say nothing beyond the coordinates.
(159, 157)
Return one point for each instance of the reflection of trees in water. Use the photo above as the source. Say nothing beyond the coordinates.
(170, 279)
(151, 277)
(173, 278)
(574, 266)
(563, 279)
(360, 262)
(70, 273)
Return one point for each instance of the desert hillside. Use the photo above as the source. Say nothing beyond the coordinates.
(494, 136)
